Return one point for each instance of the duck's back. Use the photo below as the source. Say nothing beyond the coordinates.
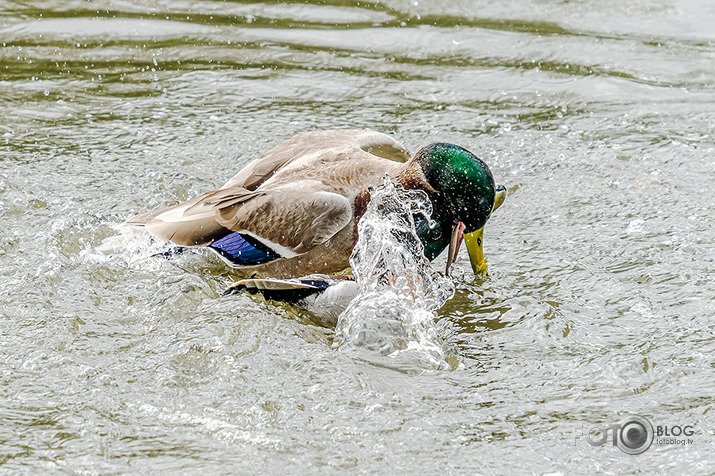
(356, 158)
(271, 217)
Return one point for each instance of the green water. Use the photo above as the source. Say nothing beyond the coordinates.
(598, 116)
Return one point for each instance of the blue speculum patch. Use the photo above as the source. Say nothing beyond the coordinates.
(243, 250)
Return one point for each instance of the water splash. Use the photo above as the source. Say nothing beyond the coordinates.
(399, 291)
(132, 245)
(134, 248)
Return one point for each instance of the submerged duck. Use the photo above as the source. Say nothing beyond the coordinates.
(294, 211)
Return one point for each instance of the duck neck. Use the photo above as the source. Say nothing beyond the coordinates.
(412, 177)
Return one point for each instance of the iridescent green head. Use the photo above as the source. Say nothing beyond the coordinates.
(464, 184)
(463, 199)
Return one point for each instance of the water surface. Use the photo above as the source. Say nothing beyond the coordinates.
(598, 116)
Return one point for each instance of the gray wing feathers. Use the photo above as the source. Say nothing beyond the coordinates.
(298, 223)
(303, 147)
(288, 210)
(305, 220)
(219, 199)
(193, 223)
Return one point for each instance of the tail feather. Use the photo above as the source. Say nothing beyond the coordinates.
(175, 225)
(143, 218)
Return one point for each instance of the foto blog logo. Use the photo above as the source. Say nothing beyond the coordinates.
(635, 434)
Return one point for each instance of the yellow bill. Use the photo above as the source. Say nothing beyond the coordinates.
(473, 241)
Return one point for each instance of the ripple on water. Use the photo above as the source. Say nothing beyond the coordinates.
(115, 28)
(596, 115)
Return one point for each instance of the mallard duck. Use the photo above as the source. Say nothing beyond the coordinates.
(294, 210)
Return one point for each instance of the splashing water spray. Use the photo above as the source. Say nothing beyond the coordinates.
(393, 313)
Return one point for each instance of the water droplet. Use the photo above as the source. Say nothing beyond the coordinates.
(635, 226)
(393, 313)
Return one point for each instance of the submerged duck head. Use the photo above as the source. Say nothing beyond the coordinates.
(463, 195)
